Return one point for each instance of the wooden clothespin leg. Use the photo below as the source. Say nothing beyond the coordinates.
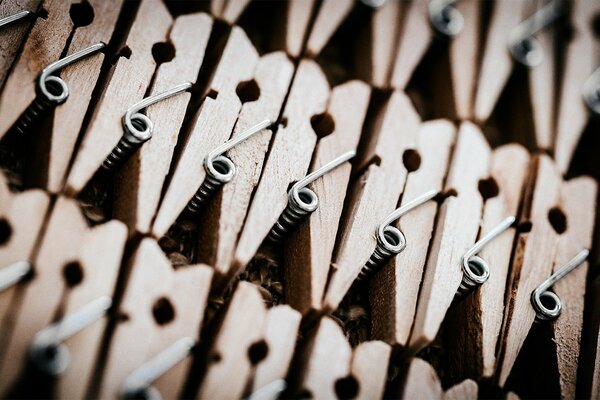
(75, 275)
(330, 16)
(394, 291)
(474, 324)
(457, 227)
(161, 305)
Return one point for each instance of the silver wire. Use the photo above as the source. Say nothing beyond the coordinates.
(14, 18)
(14, 273)
(445, 18)
(547, 305)
(591, 92)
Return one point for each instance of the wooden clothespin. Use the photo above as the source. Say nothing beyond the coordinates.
(228, 10)
(129, 82)
(141, 180)
(309, 250)
(161, 305)
(13, 33)
(457, 227)
(297, 17)
(369, 366)
(62, 308)
(476, 321)
(209, 131)
(78, 25)
(325, 360)
(573, 115)
(422, 382)
(400, 281)
(330, 16)
(229, 365)
(532, 262)
(528, 51)
(280, 332)
(225, 215)
(22, 216)
(374, 195)
(289, 159)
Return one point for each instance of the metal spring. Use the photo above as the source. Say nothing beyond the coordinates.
(390, 244)
(299, 207)
(591, 92)
(445, 18)
(225, 171)
(546, 304)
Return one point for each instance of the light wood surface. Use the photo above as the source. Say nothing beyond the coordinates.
(140, 182)
(297, 19)
(386, 34)
(456, 231)
(401, 280)
(369, 367)
(374, 194)
(422, 382)
(309, 249)
(213, 124)
(330, 16)
(127, 86)
(139, 334)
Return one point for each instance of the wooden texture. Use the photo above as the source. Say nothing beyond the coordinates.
(532, 262)
(392, 320)
(476, 321)
(225, 216)
(139, 185)
(385, 30)
(288, 160)
(415, 39)
(369, 367)
(12, 36)
(127, 86)
(297, 19)
(572, 113)
(139, 334)
(578, 202)
(213, 124)
(456, 231)
(241, 327)
(309, 249)
(279, 333)
(326, 359)
(24, 215)
(422, 382)
(330, 16)
(497, 62)
(97, 252)
(374, 195)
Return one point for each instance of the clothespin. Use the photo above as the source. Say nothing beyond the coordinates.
(228, 10)
(479, 317)
(141, 180)
(294, 29)
(329, 17)
(14, 24)
(289, 158)
(22, 216)
(400, 281)
(533, 260)
(225, 214)
(422, 382)
(59, 325)
(369, 366)
(573, 113)
(208, 131)
(375, 194)
(526, 31)
(457, 227)
(129, 81)
(309, 249)
(160, 306)
(90, 28)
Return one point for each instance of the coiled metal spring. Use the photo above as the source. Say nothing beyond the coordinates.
(445, 18)
(137, 128)
(51, 90)
(220, 169)
(547, 304)
(390, 240)
(302, 201)
(476, 270)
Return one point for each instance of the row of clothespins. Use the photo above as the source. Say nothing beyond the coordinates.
(319, 124)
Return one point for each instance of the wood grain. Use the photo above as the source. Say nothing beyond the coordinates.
(309, 249)
(140, 182)
(139, 334)
(401, 280)
(374, 195)
(213, 124)
(456, 231)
